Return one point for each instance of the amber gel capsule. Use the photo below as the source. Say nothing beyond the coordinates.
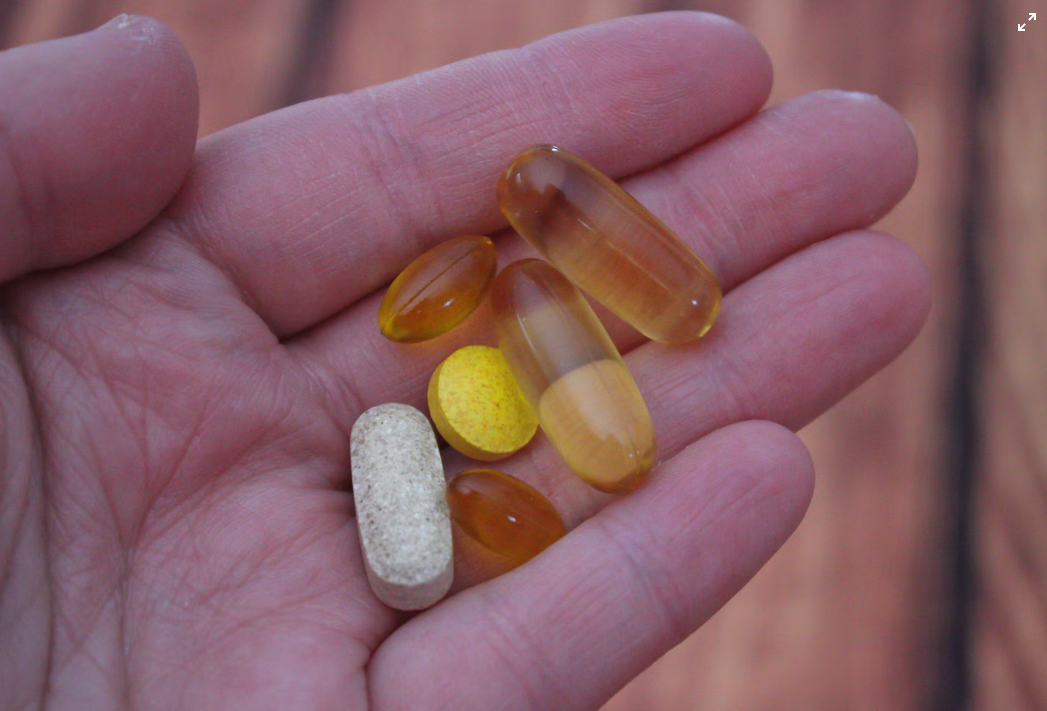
(569, 370)
(503, 514)
(436, 291)
(609, 244)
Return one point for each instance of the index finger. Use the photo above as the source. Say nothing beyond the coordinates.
(313, 207)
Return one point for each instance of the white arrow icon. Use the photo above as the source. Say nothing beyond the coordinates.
(1032, 15)
(1021, 27)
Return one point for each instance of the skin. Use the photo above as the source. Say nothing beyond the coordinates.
(189, 334)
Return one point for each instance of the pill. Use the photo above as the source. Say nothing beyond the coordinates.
(401, 506)
(503, 513)
(608, 244)
(569, 370)
(436, 291)
(477, 406)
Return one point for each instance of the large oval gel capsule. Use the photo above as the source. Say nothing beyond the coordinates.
(569, 370)
(609, 244)
(436, 291)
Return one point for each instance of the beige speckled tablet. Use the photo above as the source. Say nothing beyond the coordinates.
(401, 506)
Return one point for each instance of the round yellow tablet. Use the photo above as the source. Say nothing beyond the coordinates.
(477, 405)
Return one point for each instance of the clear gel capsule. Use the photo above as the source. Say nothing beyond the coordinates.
(609, 244)
(569, 370)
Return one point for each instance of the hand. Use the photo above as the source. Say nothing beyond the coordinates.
(180, 372)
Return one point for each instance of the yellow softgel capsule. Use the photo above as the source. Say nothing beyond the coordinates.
(477, 406)
(436, 291)
(569, 370)
(608, 244)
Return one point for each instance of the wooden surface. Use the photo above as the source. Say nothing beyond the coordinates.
(852, 612)
(871, 604)
(1010, 634)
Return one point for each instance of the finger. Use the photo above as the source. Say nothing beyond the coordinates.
(311, 208)
(818, 165)
(96, 134)
(789, 344)
(797, 173)
(575, 624)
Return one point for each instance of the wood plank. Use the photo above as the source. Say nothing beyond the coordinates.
(244, 51)
(849, 614)
(1010, 640)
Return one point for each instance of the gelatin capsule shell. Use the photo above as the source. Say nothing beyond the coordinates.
(608, 244)
(569, 370)
(438, 290)
(596, 418)
(504, 514)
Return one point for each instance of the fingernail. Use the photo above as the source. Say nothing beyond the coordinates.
(139, 27)
(120, 21)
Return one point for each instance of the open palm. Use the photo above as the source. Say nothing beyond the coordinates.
(190, 334)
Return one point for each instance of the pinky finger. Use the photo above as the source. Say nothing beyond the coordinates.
(573, 626)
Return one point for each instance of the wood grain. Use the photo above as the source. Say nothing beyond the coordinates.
(1010, 641)
(851, 612)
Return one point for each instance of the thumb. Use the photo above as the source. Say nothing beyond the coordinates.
(97, 132)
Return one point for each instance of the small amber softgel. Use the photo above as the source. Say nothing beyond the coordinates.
(436, 291)
(503, 513)
(608, 244)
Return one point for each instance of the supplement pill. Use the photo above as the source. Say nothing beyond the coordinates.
(571, 373)
(436, 291)
(504, 514)
(608, 244)
(401, 506)
(477, 406)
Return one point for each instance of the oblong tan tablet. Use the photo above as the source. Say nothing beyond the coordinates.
(401, 506)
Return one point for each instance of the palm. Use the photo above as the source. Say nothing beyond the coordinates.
(176, 520)
(195, 499)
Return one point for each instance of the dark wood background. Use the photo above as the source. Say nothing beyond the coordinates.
(919, 578)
